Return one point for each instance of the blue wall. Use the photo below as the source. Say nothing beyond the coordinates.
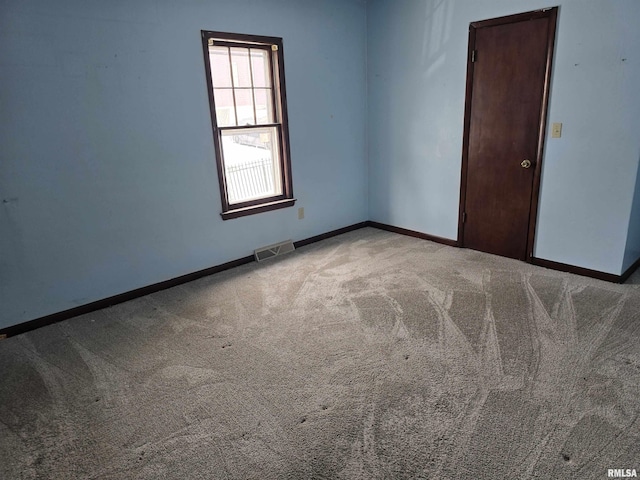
(632, 251)
(107, 171)
(416, 91)
(589, 174)
(416, 81)
(107, 176)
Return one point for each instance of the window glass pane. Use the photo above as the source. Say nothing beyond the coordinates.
(264, 105)
(244, 106)
(220, 69)
(251, 163)
(225, 111)
(240, 65)
(260, 68)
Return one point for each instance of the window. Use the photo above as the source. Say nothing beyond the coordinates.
(245, 79)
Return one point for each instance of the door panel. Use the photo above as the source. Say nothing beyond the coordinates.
(504, 121)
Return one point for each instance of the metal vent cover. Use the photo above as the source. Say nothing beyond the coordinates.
(274, 250)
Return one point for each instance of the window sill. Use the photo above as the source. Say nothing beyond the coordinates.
(263, 207)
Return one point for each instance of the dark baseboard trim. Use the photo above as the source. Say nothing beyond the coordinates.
(629, 271)
(562, 267)
(120, 298)
(332, 233)
(156, 287)
(585, 272)
(413, 233)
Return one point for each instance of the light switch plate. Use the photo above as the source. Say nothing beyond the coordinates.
(300, 213)
(556, 130)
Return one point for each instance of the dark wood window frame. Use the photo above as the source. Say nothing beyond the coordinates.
(274, 45)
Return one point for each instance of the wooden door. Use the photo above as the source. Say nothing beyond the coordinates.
(508, 75)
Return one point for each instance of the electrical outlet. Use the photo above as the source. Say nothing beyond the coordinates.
(300, 213)
(556, 130)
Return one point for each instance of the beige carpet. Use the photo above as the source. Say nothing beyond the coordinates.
(366, 356)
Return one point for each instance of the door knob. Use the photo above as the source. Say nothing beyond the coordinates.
(525, 163)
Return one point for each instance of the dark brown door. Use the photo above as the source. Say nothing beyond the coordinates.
(507, 90)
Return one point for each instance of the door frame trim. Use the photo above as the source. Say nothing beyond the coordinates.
(552, 14)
